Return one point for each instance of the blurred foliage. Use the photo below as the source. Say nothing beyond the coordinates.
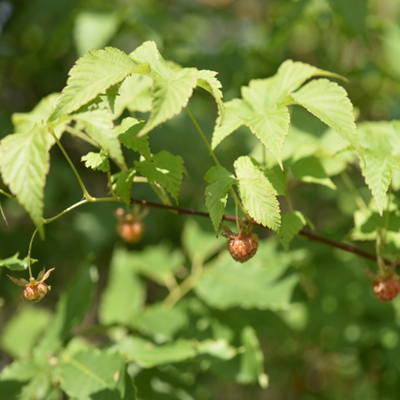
(335, 340)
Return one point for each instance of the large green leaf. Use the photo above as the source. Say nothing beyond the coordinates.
(329, 102)
(292, 223)
(90, 372)
(24, 164)
(99, 126)
(172, 86)
(164, 169)
(235, 111)
(220, 181)
(257, 194)
(92, 75)
(124, 295)
(207, 80)
(255, 284)
(271, 126)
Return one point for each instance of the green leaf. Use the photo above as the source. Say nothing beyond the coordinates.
(19, 371)
(93, 29)
(378, 174)
(73, 304)
(292, 223)
(135, 94)
(381, 141)
(207, 80)
(271, 126)
(255, 284)
(14, 338)
(277, 179)
(257, 194)
(252, 360)
(99, 126)
(235, 111)
(172, 86)
(221, 180)
(310, 170)
(24, 164)
(89, 372)
(127, 136)
(97, 161)
(92, 75)
(152, 322)
(165, 169)
(124, 295)
(156, 262)
(122, 185)
(329, 102)
(15, 264)
(199, 245)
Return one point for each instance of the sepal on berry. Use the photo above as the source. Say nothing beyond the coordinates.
(385, 286)
(35, 289)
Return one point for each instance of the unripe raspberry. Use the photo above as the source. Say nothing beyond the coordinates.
(130, 231)
(244, 247)
(387, 289)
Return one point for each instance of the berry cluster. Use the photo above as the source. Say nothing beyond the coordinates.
(130, 227)
(386, 286)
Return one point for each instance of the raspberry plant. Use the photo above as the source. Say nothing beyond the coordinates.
(105, 91)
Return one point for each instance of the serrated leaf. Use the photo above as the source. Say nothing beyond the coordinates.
(135, 94)
(257, 194)
(329, 102)
(24, 164)
(127, 136)
(99, 126)
(164, 169)
(152, 322)
(97, 161)
(277, 179)
(378, 174)
(122, 185)
(310, 170)
(252, 360)
(172, 86)
(124, 295)
(235, 111)
(15, 264)
(221, 180)
(255, 284)
(271, 126)
(89, 372)
(292, 223)
(207, 80)
(92, 75)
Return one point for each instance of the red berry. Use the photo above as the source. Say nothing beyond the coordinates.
(387, 289)
(243, 247)
(130, 230)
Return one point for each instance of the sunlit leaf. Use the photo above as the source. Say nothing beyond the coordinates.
(207, 80)
(96, 161)
(24, 164)
(257, 194)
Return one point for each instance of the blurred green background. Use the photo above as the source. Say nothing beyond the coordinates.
(348, 345)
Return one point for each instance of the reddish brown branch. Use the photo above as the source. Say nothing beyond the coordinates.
(308, 235)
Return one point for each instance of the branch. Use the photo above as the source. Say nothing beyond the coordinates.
(311, 236)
